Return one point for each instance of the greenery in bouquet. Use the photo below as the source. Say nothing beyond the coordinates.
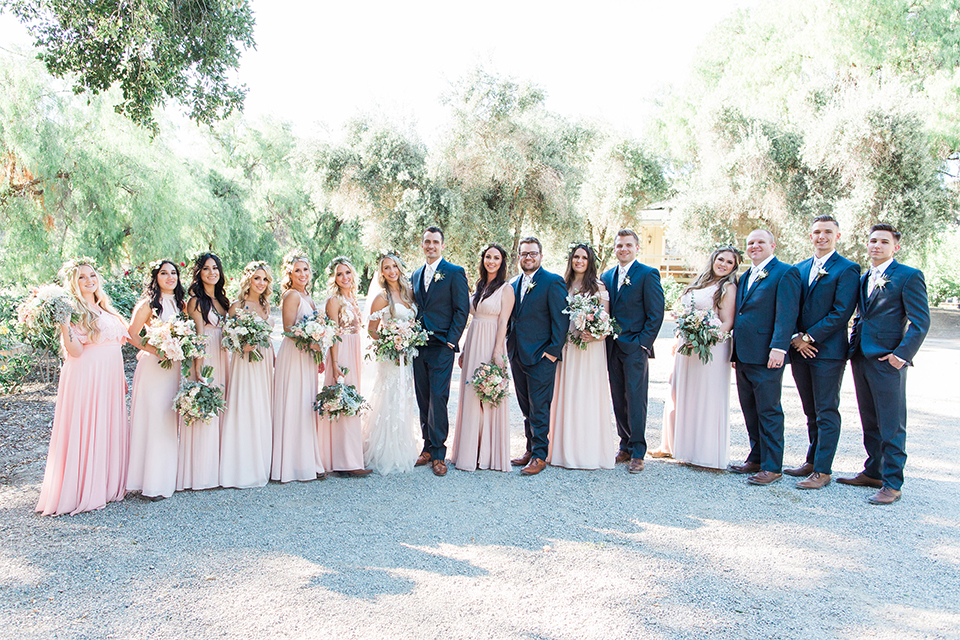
(491, 383)
(200, 401)
(246, 329)
(314, 329)
(700, 331)
(398, 340)
(175, 341)
(45, 309)
(589, 317)
(340, 399)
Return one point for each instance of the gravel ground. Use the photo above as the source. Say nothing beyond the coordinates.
(674, 552)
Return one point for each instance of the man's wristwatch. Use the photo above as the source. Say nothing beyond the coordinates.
(806, 338)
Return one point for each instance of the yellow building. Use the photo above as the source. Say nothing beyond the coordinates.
(655, 250)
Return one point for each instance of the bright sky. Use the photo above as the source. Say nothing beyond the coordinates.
(325, 62)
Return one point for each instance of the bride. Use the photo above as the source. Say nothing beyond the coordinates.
(391, 433)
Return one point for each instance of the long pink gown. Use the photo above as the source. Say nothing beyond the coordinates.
(246, 436)
(296, 449)
(199, 451)
(153, 421)
(89, 444)
(341, 440)
(582, 431)
(481, 436)
(696, 415)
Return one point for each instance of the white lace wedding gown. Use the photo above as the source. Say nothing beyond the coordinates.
(391, 440)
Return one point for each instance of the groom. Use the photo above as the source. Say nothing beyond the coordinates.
(443, 302)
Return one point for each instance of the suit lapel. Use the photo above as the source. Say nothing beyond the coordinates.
(417, 284)
(888, 276)
(426, 291)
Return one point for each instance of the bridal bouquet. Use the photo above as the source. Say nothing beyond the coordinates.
(699, 330)
(340, 399)
(399, 340)
(589, 317)
(491, 383)
(314, 329)
(175, 341)
(246, 328)
(199, 401)
(45, 309)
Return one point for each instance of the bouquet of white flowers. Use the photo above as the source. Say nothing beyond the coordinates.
(340, 399)
(699, 330)
(491, 382)
(199, 401)
(398, 340)
(589, 317)
(175, 341)
(45, 309)
(246, 328)
(314, 329)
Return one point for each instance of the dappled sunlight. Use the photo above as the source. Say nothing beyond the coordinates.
(17, 571)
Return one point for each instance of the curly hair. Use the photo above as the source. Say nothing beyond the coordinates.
(70, 274)
(246, 280)
(406, 291)
(289, 262)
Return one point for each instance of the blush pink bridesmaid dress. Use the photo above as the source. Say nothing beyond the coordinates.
(341, 440)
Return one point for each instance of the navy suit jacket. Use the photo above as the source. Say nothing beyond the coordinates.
(444, 308)
(637, 307)
(894, 319)
(537, 323)
(827, 305)
(766, 314)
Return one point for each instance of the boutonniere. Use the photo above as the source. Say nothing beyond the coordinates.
(820, 273)
(760, 275)
(437, 277)
(529, 287)
(881, 282)
(626, 281)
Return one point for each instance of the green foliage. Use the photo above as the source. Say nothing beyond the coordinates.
(671, 291)
(125, 290)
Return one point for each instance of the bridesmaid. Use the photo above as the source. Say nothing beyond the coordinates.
(296, 448)
(199, 457)
(696, 420)
(153, 420)
(246, 440)
(87, 460)
(582, 433)
(482, 435)
(341, 440)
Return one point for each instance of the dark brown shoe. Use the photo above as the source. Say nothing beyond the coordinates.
(439, 468)
(356, 473)
(746, 467)
(536, 466)
(814, 481)
(861, 480)
(800, 472)
(423, 459)
(522, 461)
(764, 478)
(635, 466)
(885, 496)
(622, 457)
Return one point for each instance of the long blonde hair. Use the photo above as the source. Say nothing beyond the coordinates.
(406, 291)
(70, 275)
(707, 277)
(333, 288)
(246, 280)
(289, 262)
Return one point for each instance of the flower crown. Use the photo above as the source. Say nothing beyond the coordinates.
(255, 265)
(393, 254)
(153, 265)
(66, 271)
(332, 266)
(582, 243)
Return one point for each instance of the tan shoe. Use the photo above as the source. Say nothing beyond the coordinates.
(885, 496)
(636, 465)
(423, 459)
(764, 478)
(861, 480)
(800, 472)
(660, 454)
(622, 457)
(814, 481)
(522, 460)
(439, 468)
(746, 467)
(536, 466)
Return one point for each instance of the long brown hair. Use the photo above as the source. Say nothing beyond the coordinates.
(707, 277)
(590, 284)
(484, 289)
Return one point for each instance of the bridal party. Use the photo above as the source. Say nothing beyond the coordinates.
(213, 404)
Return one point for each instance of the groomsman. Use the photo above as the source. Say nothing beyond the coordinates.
(443, 302)
(636, 302)
(535, 340)
(768, 300)
(892, 320)
(828, 299)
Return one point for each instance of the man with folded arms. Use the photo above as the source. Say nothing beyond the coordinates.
(828, 298)
(893, 318)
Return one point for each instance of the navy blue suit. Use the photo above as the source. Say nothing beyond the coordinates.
(766, 317)
(826, 306)
(894, 319)
(637, 307)
(537, 326)
(442, 310)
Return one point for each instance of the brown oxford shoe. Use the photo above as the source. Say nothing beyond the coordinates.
(802, 471)
(764, 478)
(356, 473)
(885, 496)
(536, 466)
(636, 465)
(522, 460)
(660, 454)
(814, 481)
(746, 467)
(622, 457)
(423, 459)
(439, 468)
(861, 480)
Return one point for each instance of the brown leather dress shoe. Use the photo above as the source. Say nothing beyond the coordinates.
(439, 468)
(536, 466)
(885, 496)
(746, 467)
(522, 460)
(861, 480)
(814, 481)
(764, 478)
(622, 456)
(636, 465)
(423, 458)
(800, 472)
(356, 473)
(660, 454)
